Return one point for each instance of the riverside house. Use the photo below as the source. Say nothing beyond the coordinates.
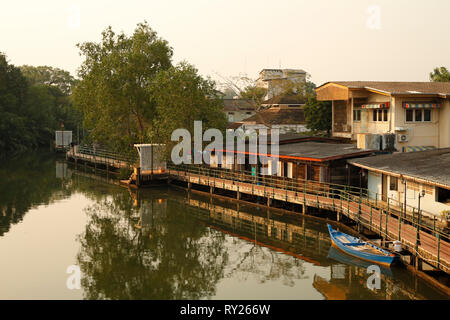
(404, 176)
(302, 158)
(393, 116)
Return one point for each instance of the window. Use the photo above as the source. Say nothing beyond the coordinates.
(409, 115)
(427, 115)
(418, 115)
(357, 115)
(248, 113)
(393, 185)
(380, 115)
(443, 195)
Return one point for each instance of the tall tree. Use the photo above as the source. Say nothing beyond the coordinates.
(32, 106)
(115, 75)
(15, 132)
(318, 115)
(440, 75)
(182, 96)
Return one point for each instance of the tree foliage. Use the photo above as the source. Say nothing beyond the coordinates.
(440, 75)
(31, 109)
(318, 115)
(130, 92)
(114, 89)
(182, 96)
(49, 76)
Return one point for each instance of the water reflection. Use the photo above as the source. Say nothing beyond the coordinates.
(153, 251)
(166, 244)
(28, 181)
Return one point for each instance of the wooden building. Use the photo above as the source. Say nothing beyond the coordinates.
(307, 158)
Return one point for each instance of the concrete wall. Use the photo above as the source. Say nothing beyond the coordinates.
(444, 125)
(367, 125)
(434, 133)
(374, 185)
(420, 133)
(428, 203)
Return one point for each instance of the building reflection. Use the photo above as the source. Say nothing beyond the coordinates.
(349, 277)
(166, 244)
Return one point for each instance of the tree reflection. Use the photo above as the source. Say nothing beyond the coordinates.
(174, 258)
(250, 255)
(26, 181)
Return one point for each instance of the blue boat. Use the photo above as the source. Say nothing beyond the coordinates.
(361, 249)
(339, 256)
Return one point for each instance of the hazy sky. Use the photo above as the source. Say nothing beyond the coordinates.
(390, 40)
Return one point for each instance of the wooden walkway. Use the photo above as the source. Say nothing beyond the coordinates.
(98, 157)
(434, 247)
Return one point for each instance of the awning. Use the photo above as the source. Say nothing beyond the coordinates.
(408, 105)
(384, 105)
(415, 149)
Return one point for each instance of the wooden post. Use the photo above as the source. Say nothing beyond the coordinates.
(438, 249)
(138, 177)
(418, 263)
(386, 225)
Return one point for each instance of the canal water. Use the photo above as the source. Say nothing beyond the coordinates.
(163, 243)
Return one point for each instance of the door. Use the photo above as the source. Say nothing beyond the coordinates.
(364, 120)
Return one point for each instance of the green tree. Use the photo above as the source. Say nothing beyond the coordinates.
(49, 100)
(181, 97)
(318, 115)
(440, 75)
(14, 128)
(49, 76)
(115, 75)
(254, 94)
(32, 107)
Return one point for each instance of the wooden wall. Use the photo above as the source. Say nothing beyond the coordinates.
(332, 92)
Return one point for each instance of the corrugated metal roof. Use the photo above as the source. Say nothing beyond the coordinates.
(408, 88)
(433, 165)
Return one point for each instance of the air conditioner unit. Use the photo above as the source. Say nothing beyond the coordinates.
(403, 138)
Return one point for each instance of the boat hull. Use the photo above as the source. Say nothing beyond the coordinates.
(386, 259)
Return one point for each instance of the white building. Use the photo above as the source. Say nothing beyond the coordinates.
(424, 171)
(238, 109)
(275, 81)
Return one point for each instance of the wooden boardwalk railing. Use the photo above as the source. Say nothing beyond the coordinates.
(378, 216)
(101, 156)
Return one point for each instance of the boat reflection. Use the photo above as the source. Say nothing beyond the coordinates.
(339, 256)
